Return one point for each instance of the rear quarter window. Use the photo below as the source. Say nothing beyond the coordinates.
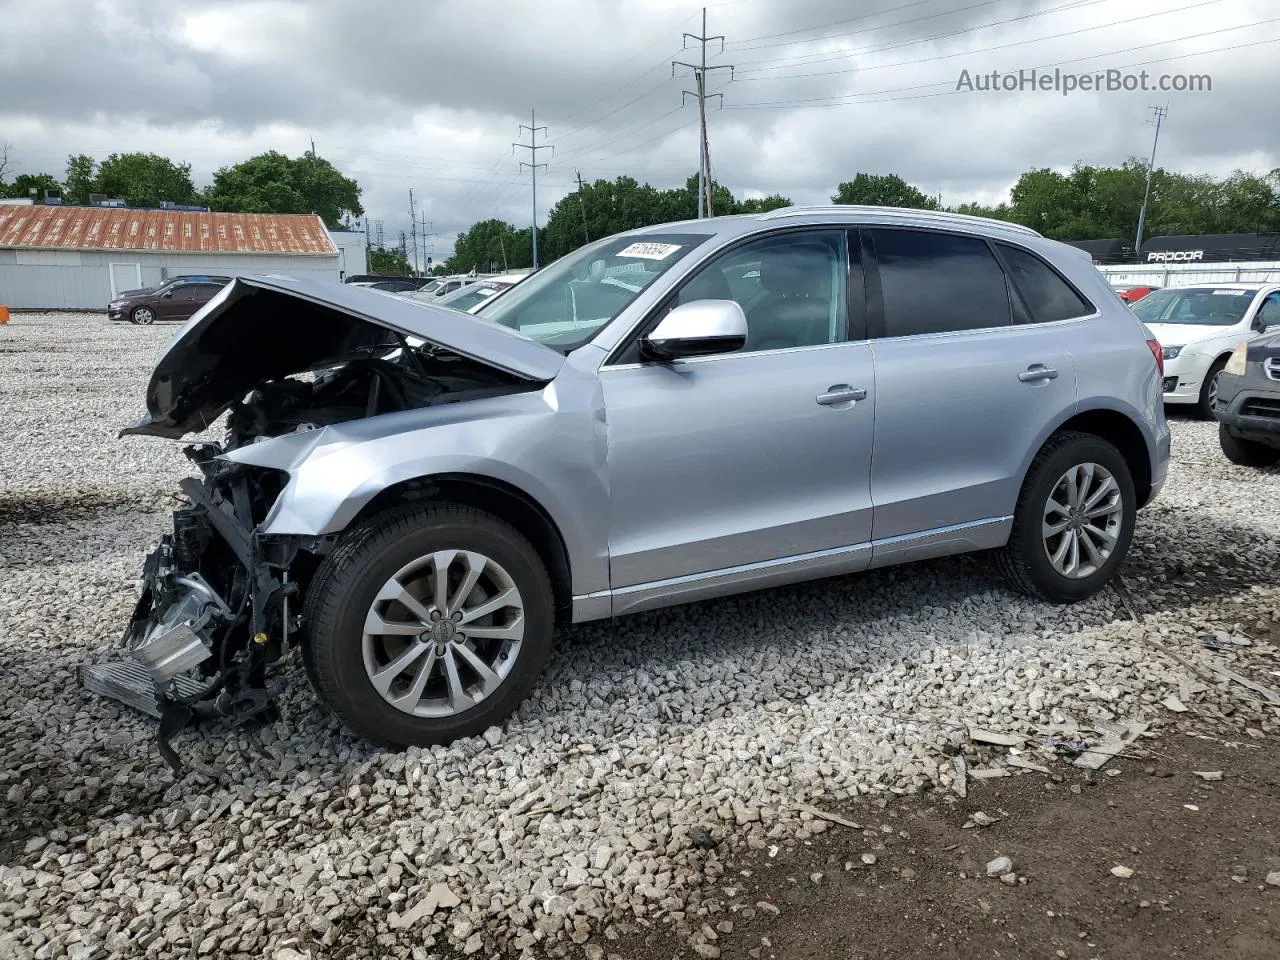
(1047, 296)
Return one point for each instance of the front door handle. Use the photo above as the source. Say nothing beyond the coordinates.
(1037, 372)
(841, 393)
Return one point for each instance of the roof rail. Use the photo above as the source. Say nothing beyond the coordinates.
(937, 215)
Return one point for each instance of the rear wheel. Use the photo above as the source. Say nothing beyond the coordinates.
(1246, 453)
(1074, 519)
(143, 316)
(1209, 389)
(428, 624)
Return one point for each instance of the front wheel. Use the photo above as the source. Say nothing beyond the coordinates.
(1246, 453)
(143, 316)
(1074, 520)
(1209, 389)
(428, 624)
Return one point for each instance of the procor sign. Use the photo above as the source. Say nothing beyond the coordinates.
(1174, 256)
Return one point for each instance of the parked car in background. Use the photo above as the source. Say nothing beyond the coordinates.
(1132, 293)
(176, 300)
(390, 286)
(417, 497)
(1198, 327)
(1248, 402)
(470, 299)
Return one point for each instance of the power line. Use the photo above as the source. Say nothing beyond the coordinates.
(845, 101)
(826, 55)
(533, 147)
(700, 80)
(967, 53)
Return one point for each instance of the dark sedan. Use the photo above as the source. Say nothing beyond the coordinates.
(1248, 404)
(176, 300)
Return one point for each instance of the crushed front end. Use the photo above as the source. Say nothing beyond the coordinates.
(214, 615)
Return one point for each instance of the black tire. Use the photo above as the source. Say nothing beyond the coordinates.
(1246, 453)
(142, 316)
(1204, 406)
(344, 588)
(1025, 559)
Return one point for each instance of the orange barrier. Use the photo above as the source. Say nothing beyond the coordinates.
(4, 314)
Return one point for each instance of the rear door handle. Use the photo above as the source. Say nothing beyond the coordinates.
(841, 393)
(1037, 372)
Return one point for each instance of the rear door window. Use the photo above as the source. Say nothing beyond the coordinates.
(938, 283)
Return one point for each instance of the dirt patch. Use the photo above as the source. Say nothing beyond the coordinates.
(927, 893)
(40, 509)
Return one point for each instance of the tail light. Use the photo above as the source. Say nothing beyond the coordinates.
(1158, 352)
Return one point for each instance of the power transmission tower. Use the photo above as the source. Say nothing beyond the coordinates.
(413, 232)
(533, 147)
(586, 235)
(1157, 117)
(700, 81)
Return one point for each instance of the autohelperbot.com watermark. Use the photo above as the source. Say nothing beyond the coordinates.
(1100, 81)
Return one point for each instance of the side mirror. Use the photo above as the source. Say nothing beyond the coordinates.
(697, 329)
(166, 295)
(1260, 325)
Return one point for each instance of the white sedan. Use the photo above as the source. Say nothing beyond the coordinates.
(1198, 327)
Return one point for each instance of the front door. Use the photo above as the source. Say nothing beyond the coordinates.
(724, 462)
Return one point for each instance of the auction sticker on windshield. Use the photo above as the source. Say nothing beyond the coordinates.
(650, 251)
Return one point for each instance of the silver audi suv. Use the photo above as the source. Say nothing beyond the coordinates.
(415, 497)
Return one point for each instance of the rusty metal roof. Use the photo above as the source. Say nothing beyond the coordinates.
(179, 231)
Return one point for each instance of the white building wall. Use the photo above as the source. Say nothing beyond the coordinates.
(81, 280)
(353, 254)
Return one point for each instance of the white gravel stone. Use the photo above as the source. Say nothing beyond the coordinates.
(577, 814)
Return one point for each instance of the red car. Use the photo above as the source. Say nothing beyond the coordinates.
(1132, 294)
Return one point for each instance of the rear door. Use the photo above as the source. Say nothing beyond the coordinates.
(966, 382)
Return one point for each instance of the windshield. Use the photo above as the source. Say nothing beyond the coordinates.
(1199, 306)
(569, 302)
(468, 297)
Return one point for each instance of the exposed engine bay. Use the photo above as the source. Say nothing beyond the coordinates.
(220, 604)
(364, 386)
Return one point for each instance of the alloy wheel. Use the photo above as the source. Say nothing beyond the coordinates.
(443, 633)
(1082, 520)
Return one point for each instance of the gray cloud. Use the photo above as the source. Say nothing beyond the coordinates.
(428, 96)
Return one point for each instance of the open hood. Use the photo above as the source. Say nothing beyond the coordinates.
(263, 328)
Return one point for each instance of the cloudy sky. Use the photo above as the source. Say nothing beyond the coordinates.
(429, 94)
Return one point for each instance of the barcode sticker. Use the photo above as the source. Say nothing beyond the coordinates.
(650, 251)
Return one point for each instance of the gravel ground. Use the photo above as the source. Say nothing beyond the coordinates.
(653, 745)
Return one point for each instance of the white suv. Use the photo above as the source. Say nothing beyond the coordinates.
(1199, 326)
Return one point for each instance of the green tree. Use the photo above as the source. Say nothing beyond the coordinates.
(882, 190)
(82, 175)
(273, 183)
(389, 262)
(24, 182)
(774, 201)
(145, 179)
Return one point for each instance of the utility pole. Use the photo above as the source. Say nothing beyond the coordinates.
(425, 252)
(586, 235)
(413, 232)
(1157, 117)
(700, 81)
(533, 147)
